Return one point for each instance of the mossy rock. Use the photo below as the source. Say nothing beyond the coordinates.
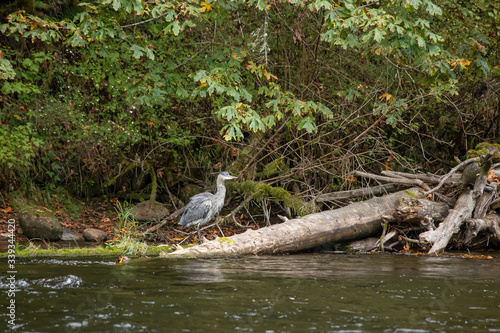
(484, 148)
(36, 221)
(37, 225)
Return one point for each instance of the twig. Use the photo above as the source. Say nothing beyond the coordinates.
(172, 216)
(410, 240)
(142, 22)
(449, 174)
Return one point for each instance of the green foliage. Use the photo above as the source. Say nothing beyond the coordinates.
(86, 88)
(17, 146)
(126, 234)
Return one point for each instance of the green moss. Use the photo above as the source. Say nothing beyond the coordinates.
(225, 239)
(411, 194)
(277, 166)
(110, 251)
(260, 191)
(483, 148)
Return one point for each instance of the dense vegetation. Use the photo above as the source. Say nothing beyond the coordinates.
(112, 97)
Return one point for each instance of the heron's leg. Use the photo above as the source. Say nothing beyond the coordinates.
(199, 234)
(218, 219)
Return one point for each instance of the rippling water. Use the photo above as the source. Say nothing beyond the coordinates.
(296, 293)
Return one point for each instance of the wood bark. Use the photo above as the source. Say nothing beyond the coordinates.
(418, 210)
(358, 220)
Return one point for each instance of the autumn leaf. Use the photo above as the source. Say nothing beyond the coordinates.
(388, 97)
(7, 210)
(205, 7)
(459, 62)
(350, 179)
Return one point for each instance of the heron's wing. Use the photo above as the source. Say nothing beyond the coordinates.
(197, 209)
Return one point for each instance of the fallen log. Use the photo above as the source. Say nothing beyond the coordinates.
(358, 220)
(413, 210)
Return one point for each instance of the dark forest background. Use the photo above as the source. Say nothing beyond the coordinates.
(134, 99)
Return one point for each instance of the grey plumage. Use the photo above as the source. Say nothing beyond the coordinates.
(204, 206)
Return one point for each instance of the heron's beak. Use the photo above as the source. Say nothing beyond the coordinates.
(231, 177)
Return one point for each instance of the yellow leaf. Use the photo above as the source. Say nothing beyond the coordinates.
(205, 7)
(462, 62)
(388, 97)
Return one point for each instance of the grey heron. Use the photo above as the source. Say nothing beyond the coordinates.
(204, 206)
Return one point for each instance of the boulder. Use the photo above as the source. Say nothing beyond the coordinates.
(149, 211)
(94, 235)
(36, 226)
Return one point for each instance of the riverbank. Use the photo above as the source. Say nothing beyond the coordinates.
(122, 238)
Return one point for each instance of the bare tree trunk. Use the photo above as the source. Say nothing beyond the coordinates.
(358, 220)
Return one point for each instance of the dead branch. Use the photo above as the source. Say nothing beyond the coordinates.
(428, 177)
(362, 192)
(167, 219)
(396, 180)
(449, 174)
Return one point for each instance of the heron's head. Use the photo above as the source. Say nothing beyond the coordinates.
(225, 176)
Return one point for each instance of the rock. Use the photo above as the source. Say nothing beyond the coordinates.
(94, 235)
(44, 227)
(362, 245)
(70, 236)
(149, 211)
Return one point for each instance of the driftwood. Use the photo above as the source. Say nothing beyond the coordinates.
(396, 219)
(484, 202)
(451, 225)
(471, 204)
(453, 180)
(490, 223)
(396, 180)
(362, 192)
(451, 173)
(358, 220)
(412, 210)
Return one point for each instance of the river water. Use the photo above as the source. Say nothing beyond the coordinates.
(294, 293)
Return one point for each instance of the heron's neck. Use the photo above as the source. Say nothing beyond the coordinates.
(221, 193)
